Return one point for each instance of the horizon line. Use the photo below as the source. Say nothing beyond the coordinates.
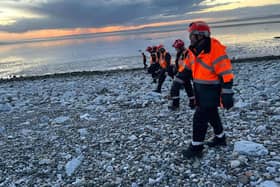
(224, 23)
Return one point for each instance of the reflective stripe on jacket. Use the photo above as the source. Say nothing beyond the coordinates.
(208, 70)
(163, 60)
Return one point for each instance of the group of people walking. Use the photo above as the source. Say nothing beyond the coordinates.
(204, 70)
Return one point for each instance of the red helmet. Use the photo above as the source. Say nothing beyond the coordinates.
(155, 48)
(160, 46)
(199, 27)
(178, 44)
(149, 49)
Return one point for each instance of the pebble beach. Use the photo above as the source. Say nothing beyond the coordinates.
(110, 129)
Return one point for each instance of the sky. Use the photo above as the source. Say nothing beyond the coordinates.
(27, 19)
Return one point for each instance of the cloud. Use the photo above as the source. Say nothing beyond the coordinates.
(65, 14)
(30, 15)
(223, 5)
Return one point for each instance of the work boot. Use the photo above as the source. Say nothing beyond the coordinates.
(154, 80)
(157, 91)
(168, 97)
(216, 141)
(192, 151)
(174, 104)
(192, 103)
(174, 108)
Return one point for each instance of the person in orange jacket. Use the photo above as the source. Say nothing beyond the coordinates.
(183, 78)
(213, 79)
(154, 62)
(165, 63)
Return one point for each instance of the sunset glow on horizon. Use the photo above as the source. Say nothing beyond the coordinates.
(51, 33)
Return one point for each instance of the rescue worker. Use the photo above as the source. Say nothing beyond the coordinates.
(182, 78)
(154, 62)
(164, 62)
(213, 79)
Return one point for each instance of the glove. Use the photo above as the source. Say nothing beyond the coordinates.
(227, 100)
(192, 103)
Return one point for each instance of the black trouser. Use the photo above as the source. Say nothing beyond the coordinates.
(182, 78)
(201, 118)
(153, 69)
(161, 79)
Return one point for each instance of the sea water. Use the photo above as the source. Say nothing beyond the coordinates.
(106, 52)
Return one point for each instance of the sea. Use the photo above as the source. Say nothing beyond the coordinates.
(122, 50)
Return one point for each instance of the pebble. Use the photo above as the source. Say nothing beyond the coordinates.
(243, 179)
(234, 163)
(126, 136)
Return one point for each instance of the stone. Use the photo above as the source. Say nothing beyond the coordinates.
(250, 148)
(234, 163)
(60, 120)
(269, 184)
(243, 179)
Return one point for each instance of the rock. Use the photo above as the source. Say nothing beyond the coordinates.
(109, 169)
(44, 119)
(274, 163)
(196, 164)
(248, 173)
(79, 182)
(134, 184)
(109, 184)
(85, 116)
(271, 170)
(60, 119)
(269, 184)
(152, 181)
(275, 118)
(132, 138)
(2, 130)
(260, 129)
(157, 180)
(73, 164)
(45, 162)
(243, 179)
(234, 163)
(83, 132)
(5, 108)
(250, 148)
(240, 104)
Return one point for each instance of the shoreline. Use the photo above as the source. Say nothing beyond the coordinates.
(89, 73)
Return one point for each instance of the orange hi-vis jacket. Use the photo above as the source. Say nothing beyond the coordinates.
(210, 72)
(209, 68)
(154, 58)
(181, 61)
(162, 61)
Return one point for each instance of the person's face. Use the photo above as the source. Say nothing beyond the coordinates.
(193, 39)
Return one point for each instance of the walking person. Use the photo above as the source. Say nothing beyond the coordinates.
(154, 62)
(164, 62)
(183, 78)
(213, 79)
